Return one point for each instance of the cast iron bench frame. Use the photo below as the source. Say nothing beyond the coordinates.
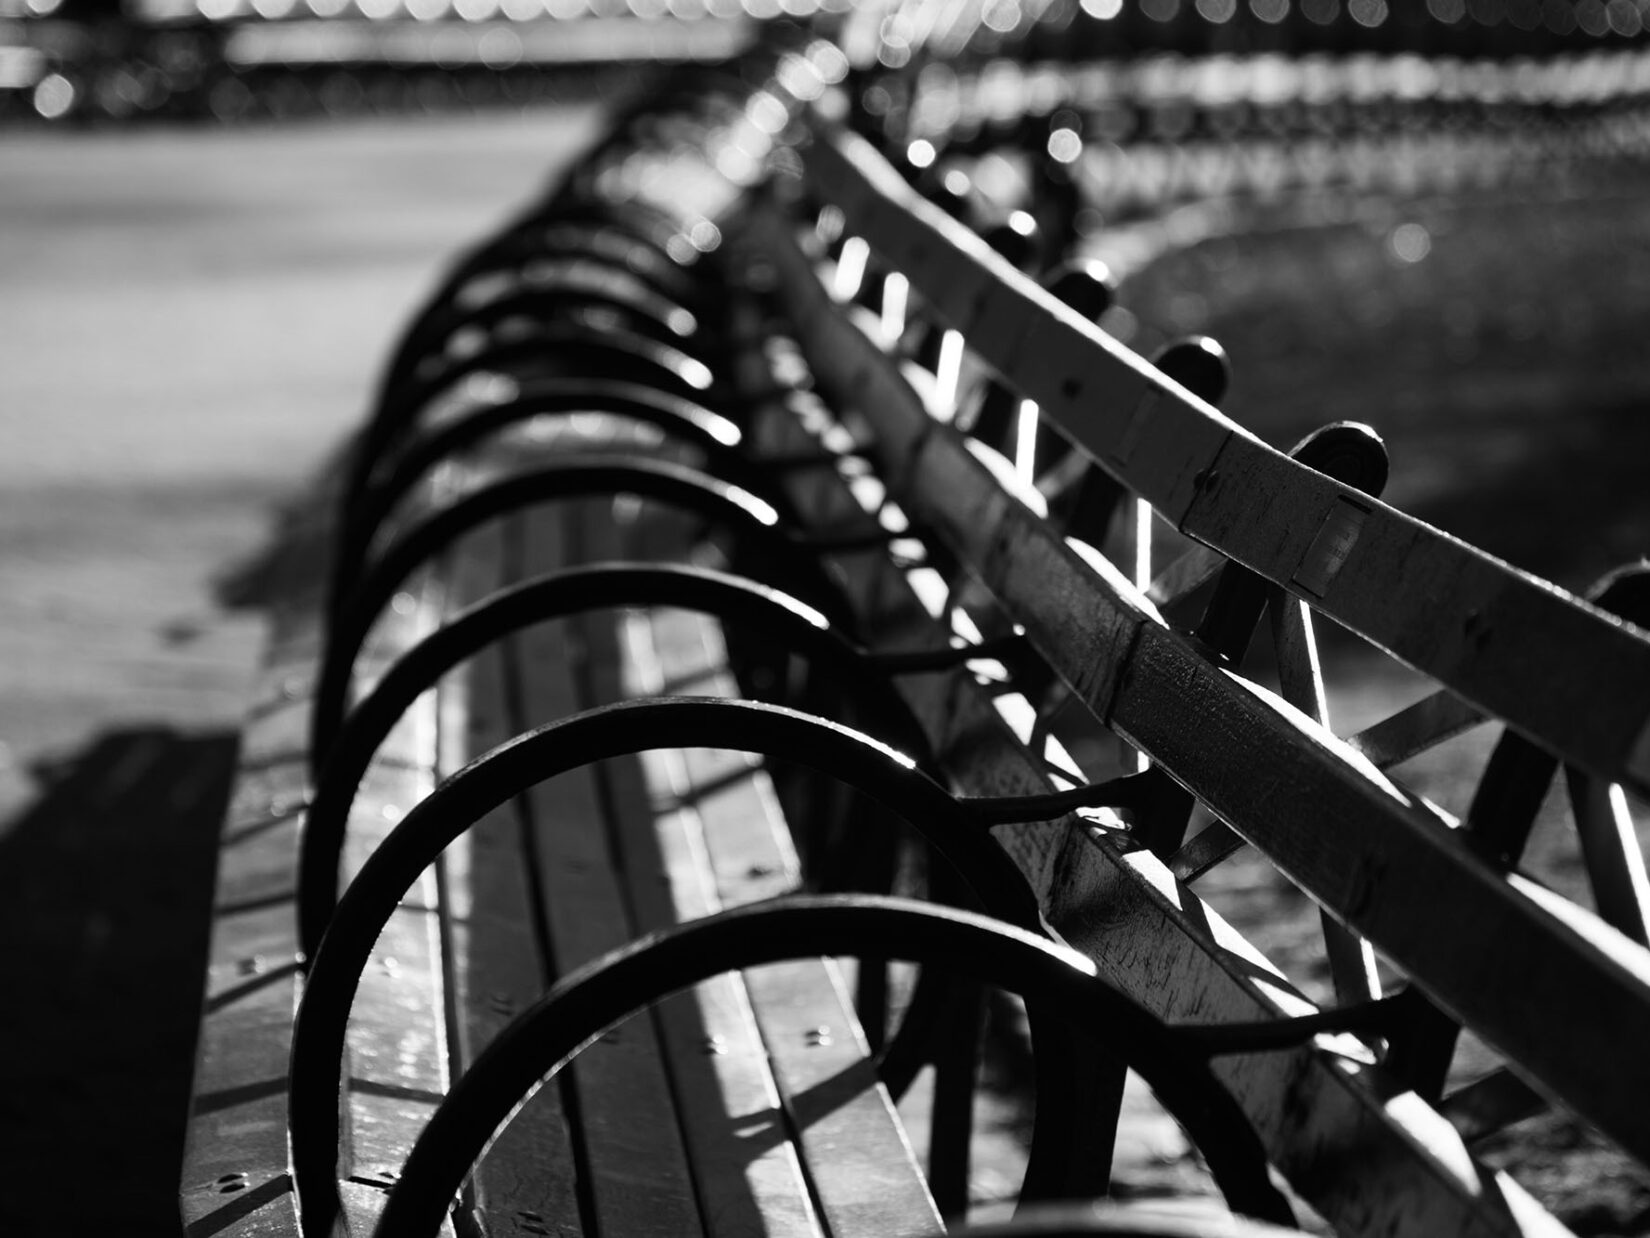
(1569, 677)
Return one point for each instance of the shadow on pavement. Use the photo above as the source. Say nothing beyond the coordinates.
(105, 899)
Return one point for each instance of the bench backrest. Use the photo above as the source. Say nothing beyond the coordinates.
(1514, 961)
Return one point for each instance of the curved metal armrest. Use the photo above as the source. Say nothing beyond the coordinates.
(955, 831)
(571, 348)
(374, 487)
(580, 1007)
(358, 737)
(614, 293)
(588, 476)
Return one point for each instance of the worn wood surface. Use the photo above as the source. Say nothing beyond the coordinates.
(635, 1162)
(1120, 905)
(234, 1177)
(842, 1145)
(854, 1152)
(496, 966)
(1555, 667)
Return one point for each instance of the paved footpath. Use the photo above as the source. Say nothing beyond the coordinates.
(189, 322)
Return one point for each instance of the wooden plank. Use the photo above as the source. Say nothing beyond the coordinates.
(236, 1165)
(638, 1175)
(745, 1166)
(1312, 776)
(496, 966)
(1557, 668)
(746, 1171)
(237, 1130)
(855, 1152)
(397, 1054)
(1175, 955)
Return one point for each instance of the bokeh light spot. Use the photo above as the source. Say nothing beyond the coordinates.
(1410, 242)
(54, 96)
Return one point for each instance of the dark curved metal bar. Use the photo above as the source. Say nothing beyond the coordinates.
(562, 235)
(886, 776)
(367, 500)
(599, 586)
(581, 349)
(567, 229)
(643, 310)
(538, 1043)
(628, 234)
(750, 517)
(573, 350)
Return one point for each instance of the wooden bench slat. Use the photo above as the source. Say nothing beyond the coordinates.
(863, 1171)
(781, 1127)
(396, 1039)
(744, 1161)
(639, 1178)
(262, 946)
(242, 1046)
(233, 1179)
(259, 1208)
(1527, 652)
(1160, 944)
(1391, 870)
(241, 1073)
(396, 1063)
(528, 1181)
(745, 1164)
(748, 854)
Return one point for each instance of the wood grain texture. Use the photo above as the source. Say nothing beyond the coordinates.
(854, 1151)
(528, 1182)
(238, 1124)
(1151, 934)
(636, 1165)
(746, 1173)
(1558, 669)
(745, 1161)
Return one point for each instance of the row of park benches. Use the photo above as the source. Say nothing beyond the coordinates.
(734, 474)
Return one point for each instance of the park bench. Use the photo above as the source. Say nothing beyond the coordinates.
(796, 374)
